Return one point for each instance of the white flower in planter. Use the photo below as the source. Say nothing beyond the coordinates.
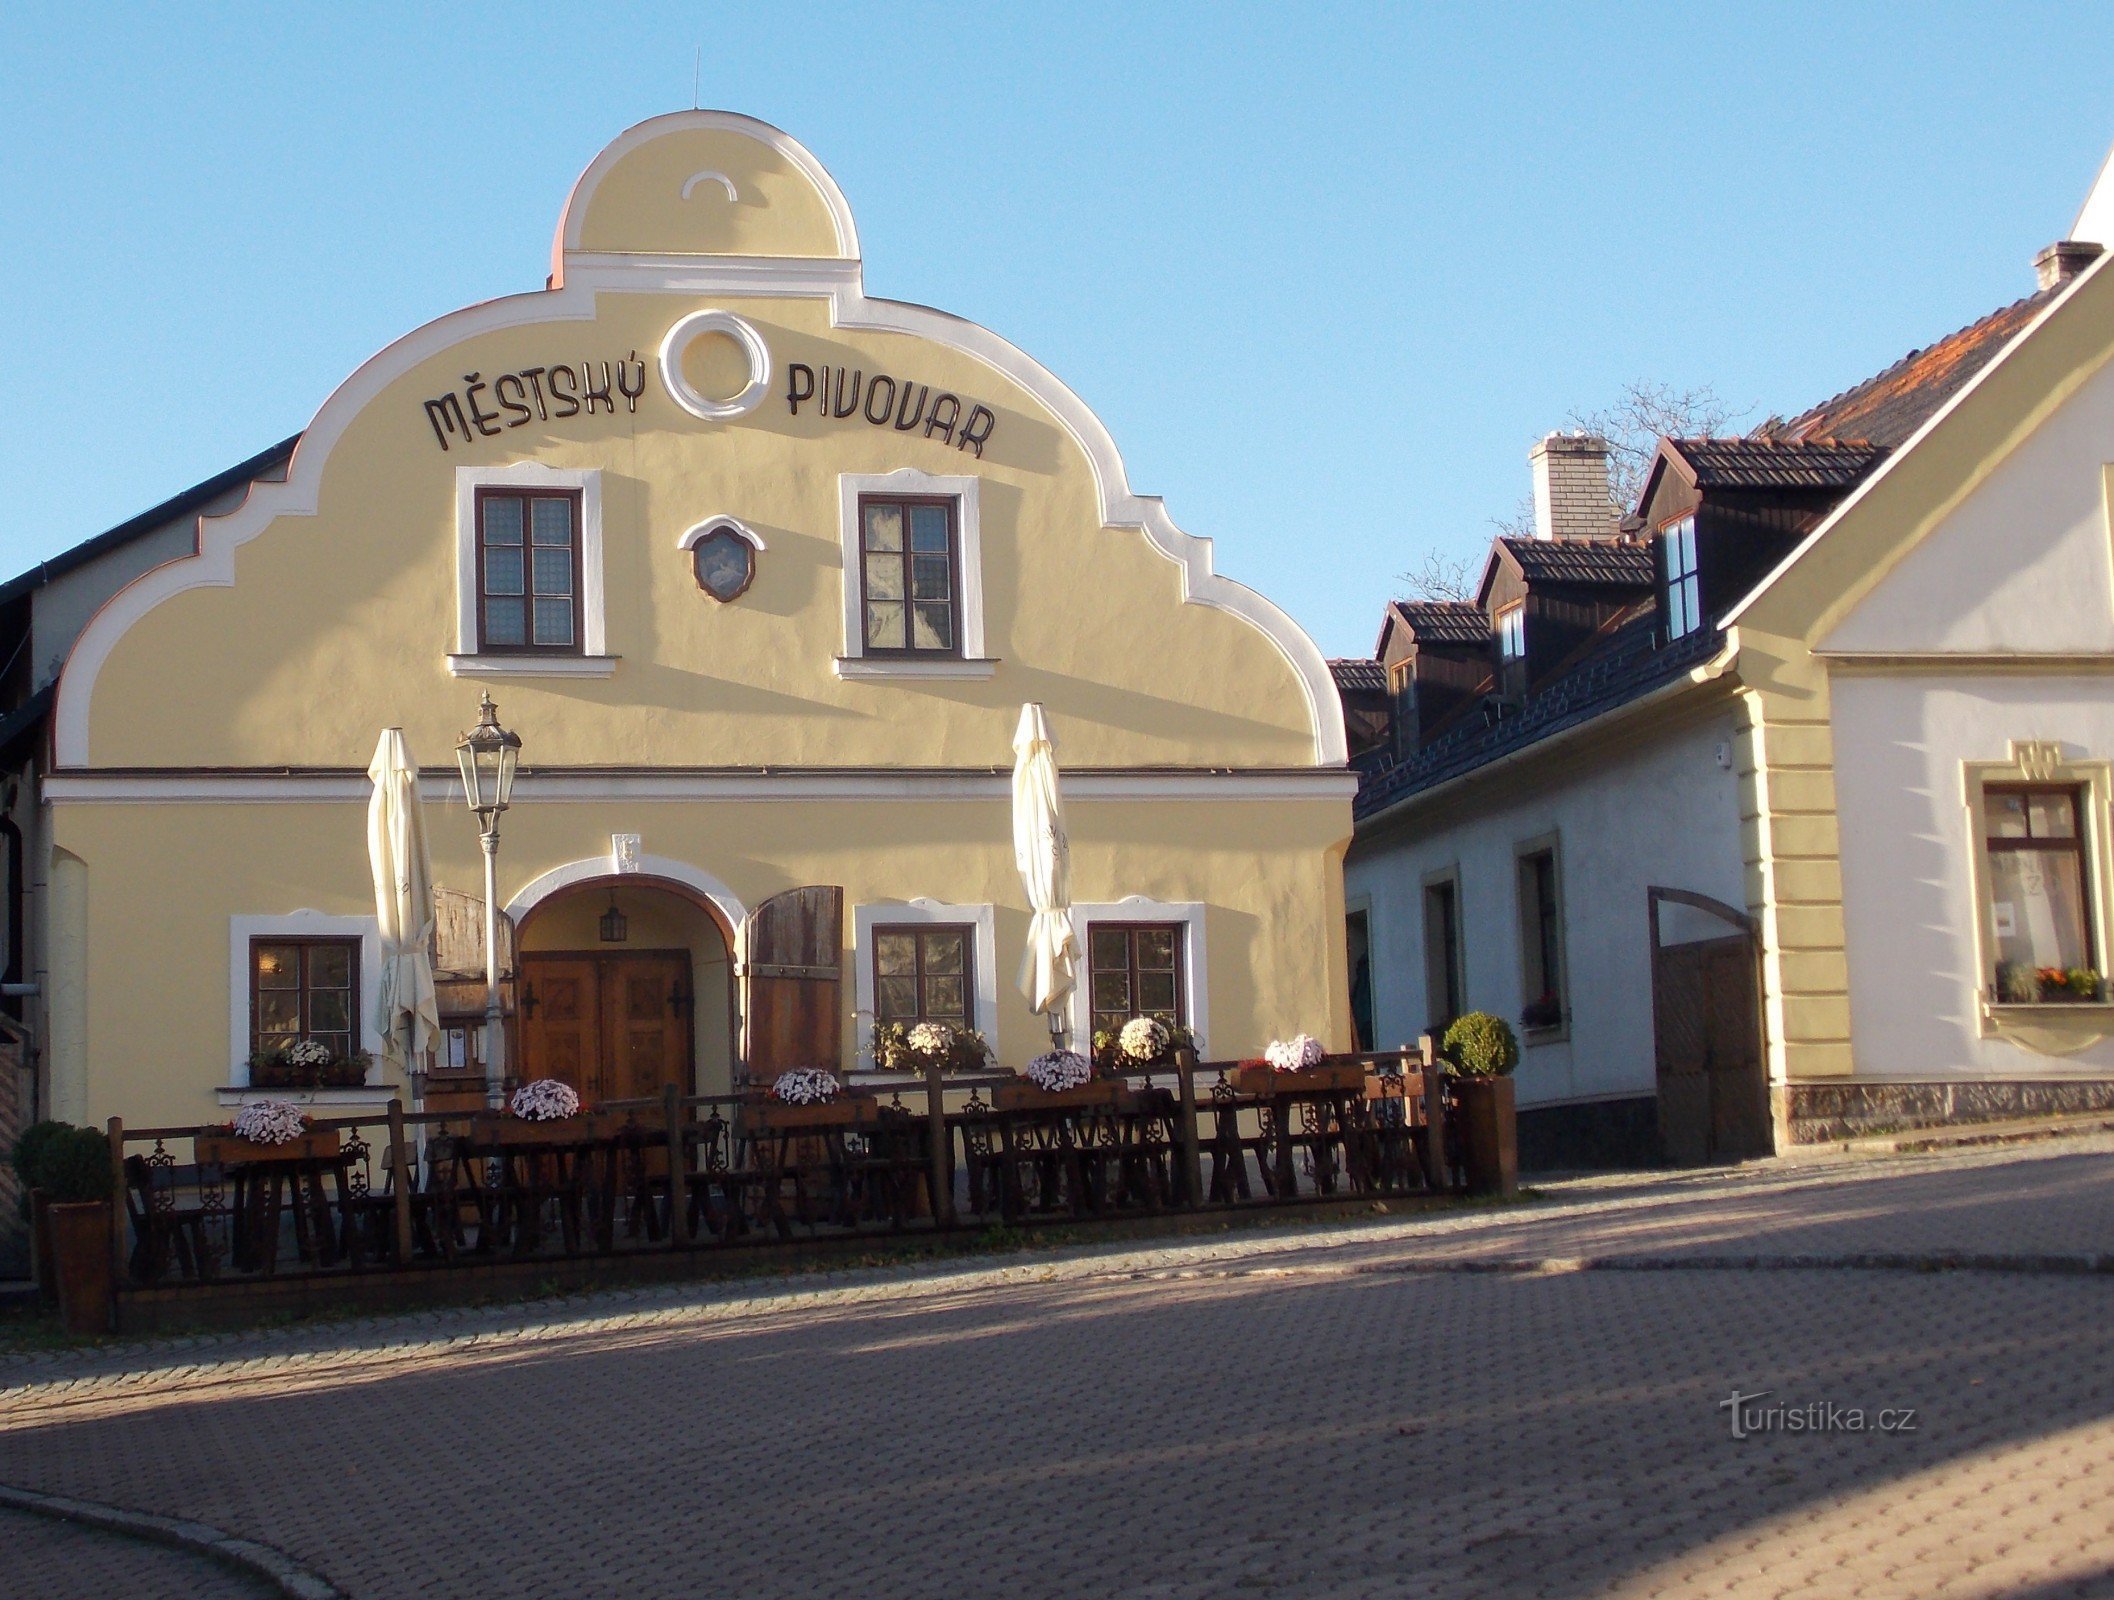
(1144, 1039)
(1295, 1054)
(805, 1086)
(270, 1122)
(1059, 1069)
(930, 1039)
(308, 1053)
(544, 1100)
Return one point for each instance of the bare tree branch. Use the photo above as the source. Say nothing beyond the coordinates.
(1441, 577)
(1634, 423)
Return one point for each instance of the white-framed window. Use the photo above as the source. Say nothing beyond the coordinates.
(2043, 882)
(1684, 589)
(927, 930)
(1184, 921)
(255, 938)
(2039, 845)
(528, 573)
(913, 576)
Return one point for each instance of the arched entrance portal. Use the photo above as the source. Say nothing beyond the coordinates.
(620, 1005)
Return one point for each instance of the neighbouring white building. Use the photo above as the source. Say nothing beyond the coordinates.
(1780, 809)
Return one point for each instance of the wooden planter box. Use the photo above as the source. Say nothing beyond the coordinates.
(581, 1128)
(1111, 1093)
(224, 1149)
(1268, 1080)
(80, 1234)
(43, 1253)
(850, 1111)
(342, 1075)
(1489, 1125)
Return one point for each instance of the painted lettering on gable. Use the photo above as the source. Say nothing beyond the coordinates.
(485, 408)
(840, 394)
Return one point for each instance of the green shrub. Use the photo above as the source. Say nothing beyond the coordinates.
(30, 1148)
(1479, 1045)
(75, 1165)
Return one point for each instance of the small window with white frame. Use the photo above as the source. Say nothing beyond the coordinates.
(909, 576)
(913, 578)
(1684, 585)
(528, 573)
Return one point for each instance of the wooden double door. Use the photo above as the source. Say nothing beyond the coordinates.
(615, 1025)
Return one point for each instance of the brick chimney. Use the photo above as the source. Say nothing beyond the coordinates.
(2064, 260)
(1571, 487)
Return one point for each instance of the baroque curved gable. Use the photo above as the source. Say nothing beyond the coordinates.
(346, 574)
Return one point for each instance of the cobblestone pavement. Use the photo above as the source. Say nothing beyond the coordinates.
(1346, 1411)
(61, 1561)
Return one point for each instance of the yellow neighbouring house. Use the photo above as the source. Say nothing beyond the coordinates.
(761, 571)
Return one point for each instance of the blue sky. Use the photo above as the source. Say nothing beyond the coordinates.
(1325, 271)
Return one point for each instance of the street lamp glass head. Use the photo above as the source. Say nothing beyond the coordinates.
(487, 755)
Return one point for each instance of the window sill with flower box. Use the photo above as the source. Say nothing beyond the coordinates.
(2048, 1027)
(368, 1094)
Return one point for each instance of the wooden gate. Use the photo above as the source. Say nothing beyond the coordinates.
(792, 983)
(1707, 1036)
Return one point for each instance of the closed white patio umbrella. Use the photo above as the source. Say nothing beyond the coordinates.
(408, 1015)
(1042, 852)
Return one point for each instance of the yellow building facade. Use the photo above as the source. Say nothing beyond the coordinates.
(761, 570)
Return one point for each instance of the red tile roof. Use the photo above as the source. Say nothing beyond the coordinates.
(1886, 409)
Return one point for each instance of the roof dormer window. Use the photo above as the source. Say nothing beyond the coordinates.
(1512, 649)
(1684, 590)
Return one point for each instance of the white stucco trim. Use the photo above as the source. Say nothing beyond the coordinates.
(541, 887)
(967, 495)
(444, 788)
(708, 175)
(694, 536)
(575, 213)
(594, 639)
(574, 298)
(743, 332)
(1136, 908)
(302, 924)
(888, 667)
(890, 913)
(532, 666)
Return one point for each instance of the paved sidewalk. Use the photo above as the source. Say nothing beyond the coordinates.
(1318, 1412)
(63, 1561)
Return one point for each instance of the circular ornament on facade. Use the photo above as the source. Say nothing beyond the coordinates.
(723, 555)
(698, 325)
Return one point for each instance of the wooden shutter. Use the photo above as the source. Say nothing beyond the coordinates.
(458, 937)
(792, 978)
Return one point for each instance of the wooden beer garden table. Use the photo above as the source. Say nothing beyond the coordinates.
(789, 1143)
(569, 1160)
(1331, 1099)
(1076, 1140)
(265, 1177)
